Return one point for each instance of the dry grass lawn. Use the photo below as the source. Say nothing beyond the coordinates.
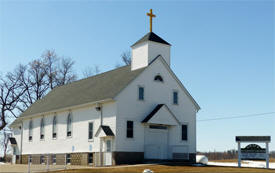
(168, 169)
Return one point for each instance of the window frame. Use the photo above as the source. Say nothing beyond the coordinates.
(127, 129)
(181, 128)
(90, 158)
(54, 159)
(30, 130)
(173, 97)
(68, 159)
(42, 159)
(71, 125)
(90, 139)
(42, 129)
(143, 96)
(54, 127)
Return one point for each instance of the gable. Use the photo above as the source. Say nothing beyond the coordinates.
(161, 114)
(160, 58)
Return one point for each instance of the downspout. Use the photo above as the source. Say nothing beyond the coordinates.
(21, 142)
(99, 108)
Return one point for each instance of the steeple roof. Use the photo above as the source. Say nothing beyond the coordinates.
(151, 37)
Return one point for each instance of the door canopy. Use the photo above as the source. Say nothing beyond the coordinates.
(161, 114)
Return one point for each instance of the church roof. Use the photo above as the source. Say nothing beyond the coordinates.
(151, 37)
(99, 87)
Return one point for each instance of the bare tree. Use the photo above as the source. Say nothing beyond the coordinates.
(37, 78)
(29, 83)
(90, 71)
(50, 60)
(126, 57)
(65, 72)
(11, 89)
(4, 142)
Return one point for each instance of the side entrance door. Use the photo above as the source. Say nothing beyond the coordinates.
(108, 152)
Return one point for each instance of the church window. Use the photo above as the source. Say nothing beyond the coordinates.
(30, 130)
(68, 158)
(54, 127)
(158, 78)
(184, 132)
(130, 129)
(69, 125)
(42, 129)
(175, 97)
(91, 126)
(141, 93)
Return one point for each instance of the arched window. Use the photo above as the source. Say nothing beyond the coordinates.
(42, 129)
(54, 127)
(158, 78)
(30, 130)
(69, 125)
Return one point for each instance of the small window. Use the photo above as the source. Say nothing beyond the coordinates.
(68, 158)
(30, 130)
(90, 158)
(184, 132)
(69, 125)
(42, 129)
(175, 97)
(54, 159)
(42, 159)
(54, 127)
(130, 129)
(108, 146)
(91, 126)
(141, 93)
(158, 78)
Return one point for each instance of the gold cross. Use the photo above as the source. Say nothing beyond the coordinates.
(151, 18)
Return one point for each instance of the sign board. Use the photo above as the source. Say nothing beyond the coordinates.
(253, 152)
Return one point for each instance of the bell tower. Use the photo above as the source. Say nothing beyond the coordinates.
(145, 50)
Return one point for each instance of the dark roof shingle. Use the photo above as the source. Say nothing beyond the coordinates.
(151, 37)
(99, 87)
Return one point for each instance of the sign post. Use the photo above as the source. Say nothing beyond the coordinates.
(253, 151)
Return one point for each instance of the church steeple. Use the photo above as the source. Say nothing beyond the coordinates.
(148, 48)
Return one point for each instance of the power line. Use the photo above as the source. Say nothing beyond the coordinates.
(239, 116)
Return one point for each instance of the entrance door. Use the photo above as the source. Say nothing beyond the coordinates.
(156, 143)
(108, 152)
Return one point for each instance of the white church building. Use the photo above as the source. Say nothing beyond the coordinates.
(127, 115)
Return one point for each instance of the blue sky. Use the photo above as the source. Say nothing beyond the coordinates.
(222, 51)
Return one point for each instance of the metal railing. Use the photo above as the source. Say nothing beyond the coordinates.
(47, 163)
